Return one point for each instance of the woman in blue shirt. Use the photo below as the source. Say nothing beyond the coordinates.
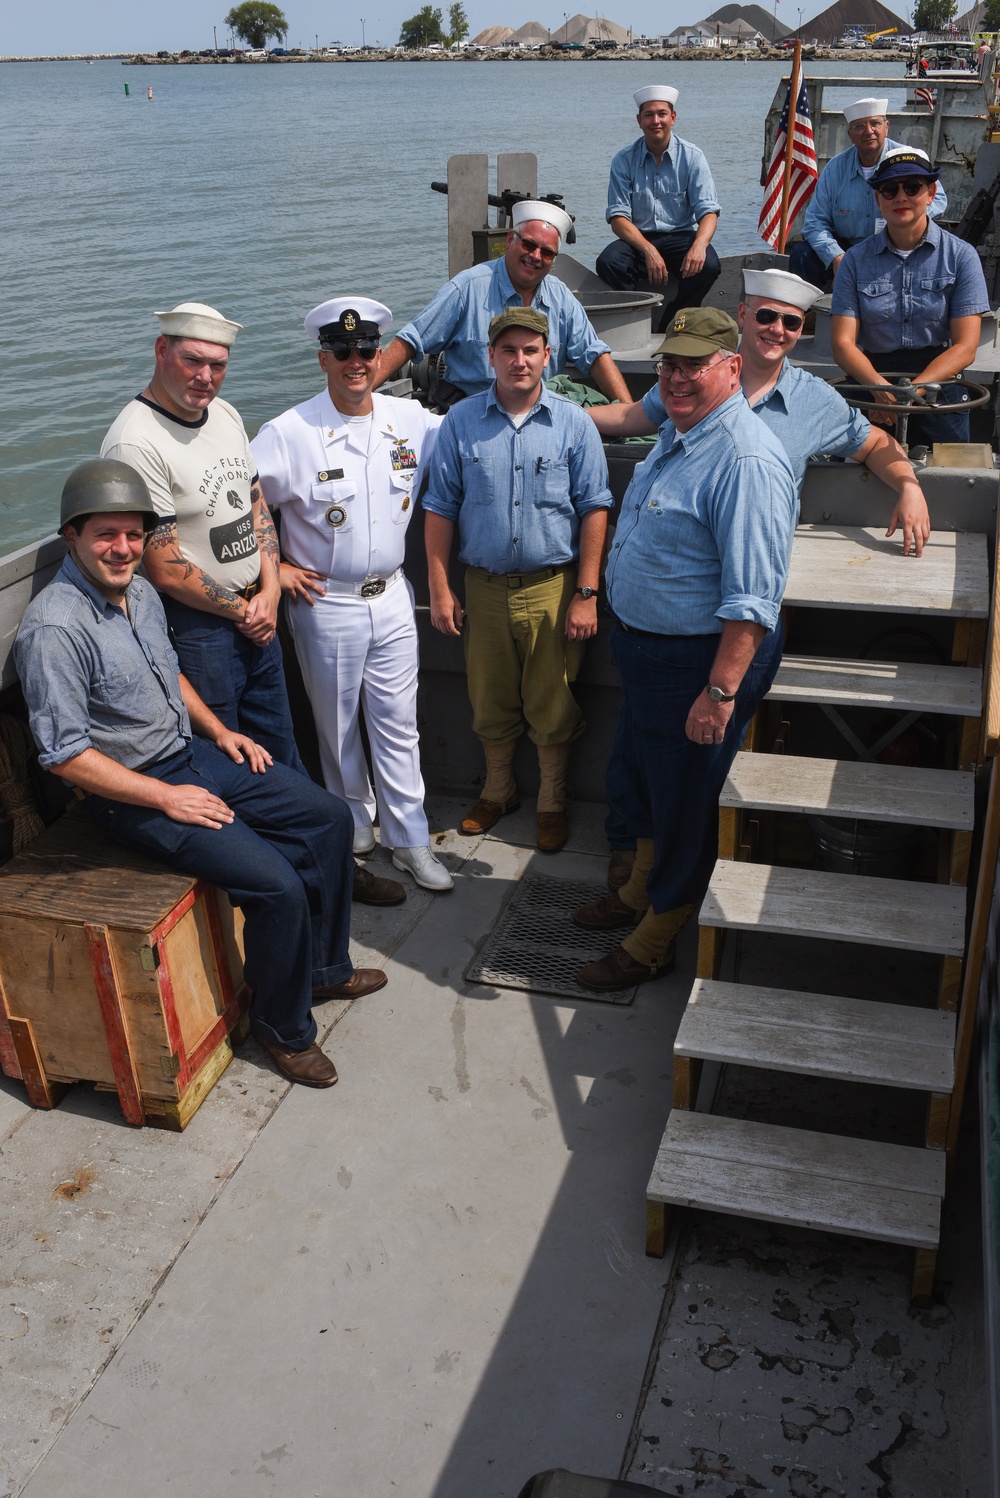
(909, 300)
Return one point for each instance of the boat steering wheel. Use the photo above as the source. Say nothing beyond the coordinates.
(908, 402)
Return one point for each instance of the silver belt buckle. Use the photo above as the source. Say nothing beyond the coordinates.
(372, 587)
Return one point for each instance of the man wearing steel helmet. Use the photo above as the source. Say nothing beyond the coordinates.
(456, 320)
(113, 716)
(662, 206)
(694, 579)
(344, 471)
(842, 210)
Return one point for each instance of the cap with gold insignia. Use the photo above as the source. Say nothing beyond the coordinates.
(781, 286)
(698, 331)
(656, 92)
(518, 317)
(355, 319)
(531, 210)
(905, 161)
(195, 320)
(865, 109)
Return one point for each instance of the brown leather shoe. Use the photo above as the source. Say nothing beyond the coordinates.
(362, 981)
(369, 889)
(619, 969)
(310, 1067)
(605, 913)
(553, 830)
(484, 815)
(620, 867)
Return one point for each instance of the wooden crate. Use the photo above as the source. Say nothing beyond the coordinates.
(115, 970)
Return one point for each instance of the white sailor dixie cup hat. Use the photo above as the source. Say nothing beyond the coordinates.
(655, 91)
(348, 317)
(865, 109)
(781, 286)
(547, 213)
(195, 320)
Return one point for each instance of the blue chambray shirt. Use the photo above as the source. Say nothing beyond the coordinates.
(96, 678)
(517, 494)
(842, 210)
(904, 302)
(670, 197)
(806, 415)
(706, 526)
(457, 319)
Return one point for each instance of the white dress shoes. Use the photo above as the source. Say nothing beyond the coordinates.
(364, 839)
(427, 870)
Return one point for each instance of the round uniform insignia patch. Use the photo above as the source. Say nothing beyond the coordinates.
(336, 515)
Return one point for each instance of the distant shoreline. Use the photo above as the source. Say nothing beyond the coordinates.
(545, 54)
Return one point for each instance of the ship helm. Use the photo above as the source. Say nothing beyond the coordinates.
(103, 486)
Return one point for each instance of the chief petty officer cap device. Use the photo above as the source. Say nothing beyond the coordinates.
(348, 320)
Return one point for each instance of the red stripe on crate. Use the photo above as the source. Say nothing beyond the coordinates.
(115, 1029)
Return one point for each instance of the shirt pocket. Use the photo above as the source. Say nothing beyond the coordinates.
(334, 507)
(401, 496)
(934, 297)
(876, 301)
(481, 480)
(551, 491)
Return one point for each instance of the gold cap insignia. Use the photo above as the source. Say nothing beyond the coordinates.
(350, 321)
(679, 323)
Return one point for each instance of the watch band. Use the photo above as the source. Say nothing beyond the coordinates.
(718, 695)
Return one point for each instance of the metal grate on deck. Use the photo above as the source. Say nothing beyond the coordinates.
(536, 948)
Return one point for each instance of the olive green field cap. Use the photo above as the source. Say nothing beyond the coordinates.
(519, 317)
(104, 486)
(698, 331)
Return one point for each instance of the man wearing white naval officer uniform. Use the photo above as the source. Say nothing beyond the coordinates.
(344, 470)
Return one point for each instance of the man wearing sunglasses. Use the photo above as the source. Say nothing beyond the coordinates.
(662, 208)
(456, 320)
(842, 211)
(344, 470)
(695, 579)
(909, 300)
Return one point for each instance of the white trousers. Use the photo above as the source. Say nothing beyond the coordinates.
(356, 651)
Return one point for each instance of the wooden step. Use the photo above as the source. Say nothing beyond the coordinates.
(818, 1035)
(895, 685)
(838, 907)
(853, 1186)
(849, 567)
(846, 788)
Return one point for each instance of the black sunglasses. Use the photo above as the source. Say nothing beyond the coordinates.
(532, 246)
(343, 351)
(790, 320)
(912, 186)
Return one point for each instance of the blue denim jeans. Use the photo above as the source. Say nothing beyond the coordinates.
(243, 683)
(669, 786)
(803, 261)
(952, 426)
(285, 861)
(624, 268)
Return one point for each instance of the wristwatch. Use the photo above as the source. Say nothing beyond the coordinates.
(718, 695)
(587, 592)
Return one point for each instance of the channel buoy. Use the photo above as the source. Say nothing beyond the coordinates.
(149, 92)
(126, 91)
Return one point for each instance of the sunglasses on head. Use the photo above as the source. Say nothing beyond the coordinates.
(912, 186)
(533, 247)
(792, 321)
(342, 351)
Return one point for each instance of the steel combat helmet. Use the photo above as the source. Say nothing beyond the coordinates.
(104, 486)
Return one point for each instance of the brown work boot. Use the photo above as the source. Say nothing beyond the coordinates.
(363, 980)
(605, 914)
(370, 889)
(484, 815)
(620, 867)
(552, 831)
(619, 969)
(309, 1067)
(553, 824)
(499, 792)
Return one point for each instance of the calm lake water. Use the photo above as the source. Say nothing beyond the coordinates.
(264, 190)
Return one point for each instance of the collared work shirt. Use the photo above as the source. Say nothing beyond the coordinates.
(807, 416)
(670, 197)
(843, 209)
(904, 302)
(457, 319)
(95, 677)
(345, 500)
(705, 531)
(517, 494)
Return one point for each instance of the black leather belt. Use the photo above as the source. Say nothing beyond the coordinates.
(250, 591)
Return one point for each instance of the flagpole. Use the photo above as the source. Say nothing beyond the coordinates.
(793, 98)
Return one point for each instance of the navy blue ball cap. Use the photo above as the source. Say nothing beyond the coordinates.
(905, 161)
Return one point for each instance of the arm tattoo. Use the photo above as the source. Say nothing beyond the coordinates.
(267, 538)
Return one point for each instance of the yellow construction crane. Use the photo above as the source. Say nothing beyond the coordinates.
(874, 35)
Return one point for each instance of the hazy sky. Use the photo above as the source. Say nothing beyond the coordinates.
(67, 26)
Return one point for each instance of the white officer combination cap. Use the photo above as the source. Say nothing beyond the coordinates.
(781, 286)
(865, 109)
(531, 211)
(656, 91)
(195, 320)
(348, 317)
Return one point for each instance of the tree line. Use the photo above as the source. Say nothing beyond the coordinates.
(255, 21)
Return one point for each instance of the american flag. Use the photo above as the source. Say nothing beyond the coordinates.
(926, 96)
(804, 170)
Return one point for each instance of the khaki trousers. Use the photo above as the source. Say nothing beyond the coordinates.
(517, 656)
